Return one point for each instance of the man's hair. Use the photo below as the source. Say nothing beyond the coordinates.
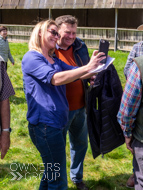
(36, 41)
(3, 28)
(67, 19)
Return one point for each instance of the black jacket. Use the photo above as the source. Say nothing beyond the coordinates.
(104, 99)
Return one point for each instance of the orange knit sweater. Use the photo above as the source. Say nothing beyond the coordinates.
(74, 90)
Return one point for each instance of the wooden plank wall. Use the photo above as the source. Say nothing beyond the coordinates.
(90, 35)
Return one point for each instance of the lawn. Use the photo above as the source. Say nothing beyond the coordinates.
(22, 167)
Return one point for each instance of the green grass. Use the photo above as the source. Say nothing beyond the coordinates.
(108, 173)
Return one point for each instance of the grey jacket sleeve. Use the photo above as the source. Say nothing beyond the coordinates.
(10, 56)
(131, 55)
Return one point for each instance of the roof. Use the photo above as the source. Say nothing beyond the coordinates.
(69, 4)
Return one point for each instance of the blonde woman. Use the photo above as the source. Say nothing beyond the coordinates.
(45, 77)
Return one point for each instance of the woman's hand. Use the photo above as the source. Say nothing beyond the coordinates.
(95, 60)
(92, 80)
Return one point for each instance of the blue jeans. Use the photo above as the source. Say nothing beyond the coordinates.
(50, 143)
(78, 142)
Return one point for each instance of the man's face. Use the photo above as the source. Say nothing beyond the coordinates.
(68, 35)
(3, 33)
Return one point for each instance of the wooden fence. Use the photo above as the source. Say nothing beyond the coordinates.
(90, 35)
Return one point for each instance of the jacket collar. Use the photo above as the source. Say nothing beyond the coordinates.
(3, 38)
(77, 44)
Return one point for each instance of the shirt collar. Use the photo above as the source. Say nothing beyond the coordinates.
(58, 47)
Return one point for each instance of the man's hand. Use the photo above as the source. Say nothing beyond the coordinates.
(4, 143)
(92, 80)
(128, 141)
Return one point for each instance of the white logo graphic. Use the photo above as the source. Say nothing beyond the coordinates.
(26, 171)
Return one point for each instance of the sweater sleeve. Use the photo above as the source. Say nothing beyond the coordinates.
(9, 55)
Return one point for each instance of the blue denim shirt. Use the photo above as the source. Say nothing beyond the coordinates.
(46, 103)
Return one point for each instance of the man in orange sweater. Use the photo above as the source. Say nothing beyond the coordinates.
(73, 51)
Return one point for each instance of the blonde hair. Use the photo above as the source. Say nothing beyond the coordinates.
(36, 40)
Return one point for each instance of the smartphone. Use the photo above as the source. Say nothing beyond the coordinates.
(104, 47)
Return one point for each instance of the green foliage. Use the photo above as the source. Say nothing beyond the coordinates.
(108, 173)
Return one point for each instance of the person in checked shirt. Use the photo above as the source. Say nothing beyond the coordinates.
(136, 51)
(130, 117)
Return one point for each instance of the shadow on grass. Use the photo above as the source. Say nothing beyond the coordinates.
(16, 172)
(17, 100)
(117, 182)
(18, 88)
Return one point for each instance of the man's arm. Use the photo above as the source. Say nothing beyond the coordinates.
(6, 91)
(5, 124)
(130, 104)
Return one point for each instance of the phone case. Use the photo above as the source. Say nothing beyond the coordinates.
(103, 47)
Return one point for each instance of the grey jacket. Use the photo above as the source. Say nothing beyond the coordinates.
(4, 50)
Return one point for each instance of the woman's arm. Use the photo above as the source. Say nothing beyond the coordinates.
(65, 77)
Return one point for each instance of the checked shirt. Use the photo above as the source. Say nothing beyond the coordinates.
(130, 101)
